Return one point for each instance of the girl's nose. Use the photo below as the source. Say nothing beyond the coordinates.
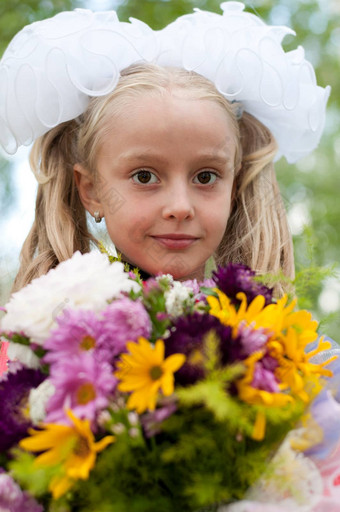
(178, 204)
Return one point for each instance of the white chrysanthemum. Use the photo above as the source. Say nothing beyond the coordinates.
(84, 281)
(176, 299)
(38, 399)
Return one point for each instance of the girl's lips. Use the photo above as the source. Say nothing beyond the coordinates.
(174, 241)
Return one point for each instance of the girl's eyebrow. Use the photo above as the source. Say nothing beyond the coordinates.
(218, 157)
(139, 156)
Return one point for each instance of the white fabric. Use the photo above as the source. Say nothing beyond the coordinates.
(52, 67)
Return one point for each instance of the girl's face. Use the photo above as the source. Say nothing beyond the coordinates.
(165, 179)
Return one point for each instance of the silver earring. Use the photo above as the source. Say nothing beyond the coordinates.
(97, 217)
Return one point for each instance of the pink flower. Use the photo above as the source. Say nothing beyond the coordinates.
(251, 340)
(13, 499)
(123, 320)
(78, 331)
(105, 334)
(83, 384)
(264, 378)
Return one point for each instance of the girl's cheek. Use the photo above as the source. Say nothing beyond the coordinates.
(129, 230)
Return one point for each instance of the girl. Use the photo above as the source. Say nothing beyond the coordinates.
(167, 135)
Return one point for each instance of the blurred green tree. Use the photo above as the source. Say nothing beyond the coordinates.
(16, 14)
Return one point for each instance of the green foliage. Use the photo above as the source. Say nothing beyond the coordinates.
(30, 477)
(6, 189)
(203, 456)
(16, 14)
(154, 301)
(189, 465)
(112, 259)
(17, 338)
(158, 13)
(308, 281)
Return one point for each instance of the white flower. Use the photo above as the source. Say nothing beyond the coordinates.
(133, 418)
(38, 399)
(118, 428)
(84, 281)
(23, 354)
(176, 299)
(166, 278)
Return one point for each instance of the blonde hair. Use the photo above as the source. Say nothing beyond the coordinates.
(257, 232)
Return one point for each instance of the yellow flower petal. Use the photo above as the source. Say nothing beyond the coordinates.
(103, 443)
(54, 455)
(59, 486)
(71, 447)
(133, 382)
(167, 385)
(159, 350)
(144, 371)
(137, 351)
(174, 362)
(259, 427)
(42, 440)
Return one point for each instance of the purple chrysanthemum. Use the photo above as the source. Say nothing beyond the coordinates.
(13, 499)
(247, 341)
(14, 393)
(264, 376)
(103, 334)
(123, 320)
(83, 384)
(235, 278)
(187, 337)
(78, 331)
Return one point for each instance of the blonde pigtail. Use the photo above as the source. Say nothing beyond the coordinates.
(257, 233)
(60, 227)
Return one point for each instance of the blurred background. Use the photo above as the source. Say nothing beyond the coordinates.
(311, 188)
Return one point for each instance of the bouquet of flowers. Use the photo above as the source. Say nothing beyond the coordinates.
(130, 395)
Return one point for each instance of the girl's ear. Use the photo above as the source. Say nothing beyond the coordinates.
(87, 189)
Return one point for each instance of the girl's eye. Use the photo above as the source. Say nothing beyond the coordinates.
(205, 178)
(144, 177)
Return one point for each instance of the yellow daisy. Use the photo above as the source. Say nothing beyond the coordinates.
(144, 371)
(295, 370)
(71, 447)
(275, 318)
(289, 332)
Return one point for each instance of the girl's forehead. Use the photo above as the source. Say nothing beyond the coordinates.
(168, 123)
(169, 105)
